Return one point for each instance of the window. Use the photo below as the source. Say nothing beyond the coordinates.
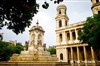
(73, 35)
(59, 11)
(60, 37)
(65, 22)
(65, 11)
(60, 23)
(68, 36)
(98, 12)
(97, 1)
(61, 56)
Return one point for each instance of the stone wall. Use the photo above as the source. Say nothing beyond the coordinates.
(33, 63)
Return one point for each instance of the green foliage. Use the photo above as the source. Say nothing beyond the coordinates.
(91, 32)
(3, 49)
(17, 14)
(7, 49)
(52, 50)
(19, 48)
(58, 1)
(45, 5)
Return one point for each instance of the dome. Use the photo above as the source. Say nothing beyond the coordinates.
(37, 27)
(61, 7)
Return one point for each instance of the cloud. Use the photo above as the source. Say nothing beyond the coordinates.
(9, 35)
(45, 20)
(78, 11)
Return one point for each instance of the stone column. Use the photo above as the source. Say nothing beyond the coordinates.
(65, 55)
(72, 61)
(57, 24)
(78, 55)
(64, 37)
(68, 37)
(70, 32)
(57, 38)
(76, 35)
(63, 22)
(92, 52)
(85, 56)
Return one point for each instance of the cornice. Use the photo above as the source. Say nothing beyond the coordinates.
(96, 4)
(71, 26)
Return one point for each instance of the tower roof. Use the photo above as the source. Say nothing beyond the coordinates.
(37, 27)
(61, 7)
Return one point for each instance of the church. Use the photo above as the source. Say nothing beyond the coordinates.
(68, 47)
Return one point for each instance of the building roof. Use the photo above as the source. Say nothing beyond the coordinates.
(61, 7)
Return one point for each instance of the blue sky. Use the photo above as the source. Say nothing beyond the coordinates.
(77, 10)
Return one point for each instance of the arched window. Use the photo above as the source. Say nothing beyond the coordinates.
(59, 11)
(68, 36)
(61, 56)
(60, 23)
(60, 37)
(98, 12)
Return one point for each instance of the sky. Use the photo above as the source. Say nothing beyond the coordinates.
(77, 11)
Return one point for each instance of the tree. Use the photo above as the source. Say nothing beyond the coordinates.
(17, 14)
(91, 32)
(3, 50)
(52, 50)
(7, 49)
(18, 48)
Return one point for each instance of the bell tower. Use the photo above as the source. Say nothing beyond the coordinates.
(61, 23)
(61, 18)
(95, 6)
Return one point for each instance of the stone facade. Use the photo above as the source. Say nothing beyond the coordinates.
(95, 6)
(68, 47)
(36, 38)
(36, 48)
